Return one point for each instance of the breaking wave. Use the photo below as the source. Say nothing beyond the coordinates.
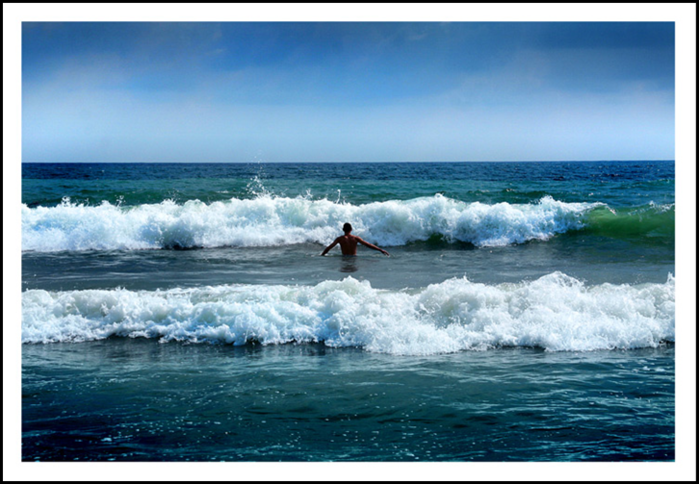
(271, 221)
(555, 312)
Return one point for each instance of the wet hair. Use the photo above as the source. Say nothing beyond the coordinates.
(347, 227)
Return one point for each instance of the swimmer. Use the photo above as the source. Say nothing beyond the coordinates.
(348, 243)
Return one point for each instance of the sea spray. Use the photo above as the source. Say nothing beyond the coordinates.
(555, 312)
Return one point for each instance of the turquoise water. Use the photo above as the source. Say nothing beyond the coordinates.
(134, 400)
(183, 312)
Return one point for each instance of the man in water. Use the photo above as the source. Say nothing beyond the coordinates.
(348, 243)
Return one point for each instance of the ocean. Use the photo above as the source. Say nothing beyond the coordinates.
(182, 312)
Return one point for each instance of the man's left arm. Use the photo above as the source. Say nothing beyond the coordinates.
(372, 246)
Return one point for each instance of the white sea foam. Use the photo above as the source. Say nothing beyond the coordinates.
(555, 312)
(270, 220)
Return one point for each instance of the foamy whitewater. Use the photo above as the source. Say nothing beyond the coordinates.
(183, 312)
(555, 312)
(269, 221)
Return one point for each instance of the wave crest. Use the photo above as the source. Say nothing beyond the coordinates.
(653, 220)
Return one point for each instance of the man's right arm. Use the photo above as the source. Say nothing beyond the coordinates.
(330, 246)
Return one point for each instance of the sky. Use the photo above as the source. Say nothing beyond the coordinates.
(347, 91)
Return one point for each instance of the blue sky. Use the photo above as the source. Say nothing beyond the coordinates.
(346, 91)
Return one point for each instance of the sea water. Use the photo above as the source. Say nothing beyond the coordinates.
(183, 312)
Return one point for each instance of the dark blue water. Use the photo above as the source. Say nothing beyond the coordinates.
(616, 183)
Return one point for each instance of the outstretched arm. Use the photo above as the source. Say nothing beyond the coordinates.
(330, 246)
(372, 246)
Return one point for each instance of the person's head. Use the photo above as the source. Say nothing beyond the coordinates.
(347, 228)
